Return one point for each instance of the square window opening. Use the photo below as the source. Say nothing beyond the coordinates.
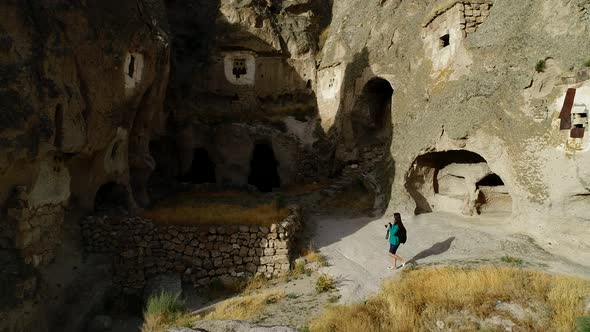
(239, 68)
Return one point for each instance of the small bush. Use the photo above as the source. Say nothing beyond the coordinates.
(314, 256)
(583, 324)
(587, 63)
(298, 269)
(325, 283)
(541, 66)
(292, 296)
(334, 299)
(511, 260)
(161, 310)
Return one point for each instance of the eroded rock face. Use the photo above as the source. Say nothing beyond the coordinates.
(247, 81)
(464, 78)
(82, 90)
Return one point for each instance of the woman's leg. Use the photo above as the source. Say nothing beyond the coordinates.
(394, 257)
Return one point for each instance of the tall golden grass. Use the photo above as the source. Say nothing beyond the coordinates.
(189, 209)
(424, 296)
(243, 307)
(158, 317)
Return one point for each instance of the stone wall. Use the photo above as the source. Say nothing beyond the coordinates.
(143, 249)
(35, 231)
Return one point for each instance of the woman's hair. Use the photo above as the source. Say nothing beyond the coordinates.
(397, 219)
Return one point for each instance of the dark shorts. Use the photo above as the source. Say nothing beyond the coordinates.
(393, 248)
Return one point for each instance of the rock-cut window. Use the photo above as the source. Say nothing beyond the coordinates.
(445, 41)
(131, 67)
(239, 68)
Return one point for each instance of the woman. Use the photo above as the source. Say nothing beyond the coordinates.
(393, 232)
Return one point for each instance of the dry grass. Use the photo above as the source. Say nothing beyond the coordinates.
(162, 311)
(423, 296)
(190, 209)
(243, 307)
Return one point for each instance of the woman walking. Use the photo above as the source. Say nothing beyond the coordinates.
(394, 233)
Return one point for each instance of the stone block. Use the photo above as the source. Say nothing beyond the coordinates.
(269, 251)
(218, 262)
(251, 267)
(189, 250)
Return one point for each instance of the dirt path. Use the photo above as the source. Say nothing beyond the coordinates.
(357, 250)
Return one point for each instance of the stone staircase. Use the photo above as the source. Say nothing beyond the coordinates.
(350, 174)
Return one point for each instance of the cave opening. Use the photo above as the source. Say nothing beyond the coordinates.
(377, 94)
(111, 196)
(445, 41)
(371, 116)
(131, 67)
(202, 168)
(263, 168)
(58, 122)
(456, 181)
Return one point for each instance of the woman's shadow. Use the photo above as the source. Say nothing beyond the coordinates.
(436, 249)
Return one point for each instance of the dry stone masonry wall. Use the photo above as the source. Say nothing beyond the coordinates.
(34, 231)
(143, 249)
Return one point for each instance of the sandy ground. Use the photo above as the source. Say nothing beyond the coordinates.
(356, 248)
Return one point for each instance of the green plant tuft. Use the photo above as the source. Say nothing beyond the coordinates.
(165, 305)
(583, 324)
(587, 63)
(325, 283)
(511, 260)
(541, 66)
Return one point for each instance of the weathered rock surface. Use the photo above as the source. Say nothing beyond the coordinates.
(231, 326)
(480, 93)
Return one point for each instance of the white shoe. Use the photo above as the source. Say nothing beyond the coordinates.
(390, 268)
(403, 264)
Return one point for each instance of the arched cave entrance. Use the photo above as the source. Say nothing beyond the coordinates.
(263, 168)
(368, 148)
(202, 169)
(456, 181)
(111, 197)
(371, 118)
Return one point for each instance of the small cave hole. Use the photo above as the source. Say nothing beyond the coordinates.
(112, 197)
(308, 84)
(492, 180)
(239, 68)
(114, 150)
(131, 67)
(263, 169)
(202, 169)
(58, 122)
(445, 41)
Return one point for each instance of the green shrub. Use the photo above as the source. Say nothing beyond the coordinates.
(325, 283)
(161, 311)
(511, 260)
(164, 304)
(583, 324)
(541, 66)
(587, 63)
